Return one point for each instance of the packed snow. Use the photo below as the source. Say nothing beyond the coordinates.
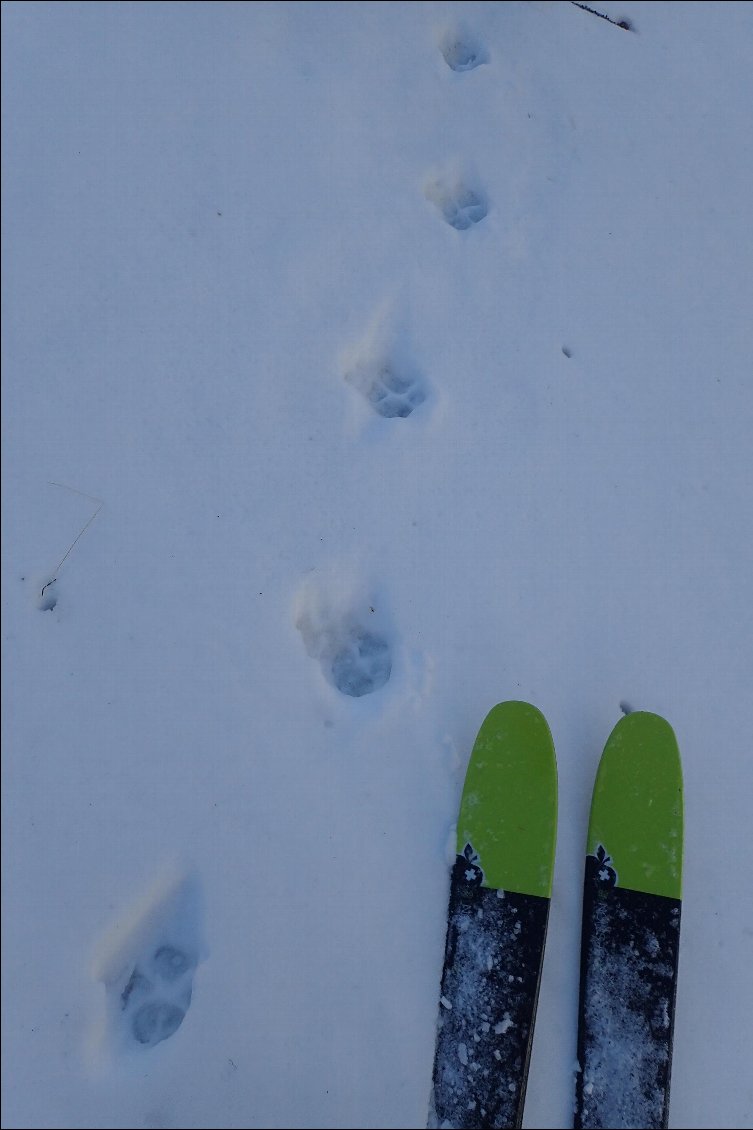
(365, 365)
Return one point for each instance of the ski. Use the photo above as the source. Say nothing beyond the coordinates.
(500, 889)
(631, 929)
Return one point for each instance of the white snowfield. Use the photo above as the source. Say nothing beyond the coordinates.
(406, 350)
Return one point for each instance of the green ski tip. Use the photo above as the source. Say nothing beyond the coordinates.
(508, 812)
(636, 811)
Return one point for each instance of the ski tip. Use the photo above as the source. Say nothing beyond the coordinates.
(644, 718)
(637, 807)
(508, 813)
(515, 711)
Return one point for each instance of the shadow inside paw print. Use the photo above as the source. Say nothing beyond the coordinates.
(392, 395)
(461, 52)
(363, 664)
(171, 963)
(158, 994)
(389, 393)
(156, 1021)
(461, 207)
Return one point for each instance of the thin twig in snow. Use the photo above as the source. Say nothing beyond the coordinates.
(81, 532)
(624, 24)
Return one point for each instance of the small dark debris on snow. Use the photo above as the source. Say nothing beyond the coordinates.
(567, 351)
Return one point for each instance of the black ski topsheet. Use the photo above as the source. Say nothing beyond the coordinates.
(490, 986)
(628, 984)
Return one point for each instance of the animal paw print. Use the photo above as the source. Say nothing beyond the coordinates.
(354, 658)
(147, 965)
(461, 51)
(460, 205)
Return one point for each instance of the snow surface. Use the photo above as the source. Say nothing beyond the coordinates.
(233, 232)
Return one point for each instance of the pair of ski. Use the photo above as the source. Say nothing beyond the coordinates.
(499, 906)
